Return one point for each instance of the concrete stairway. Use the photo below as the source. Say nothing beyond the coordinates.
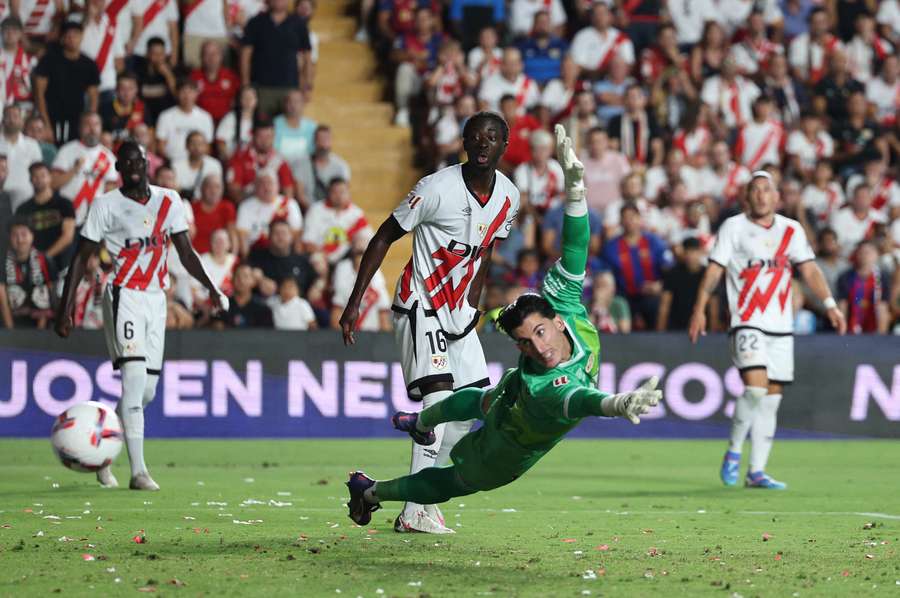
(348, 97)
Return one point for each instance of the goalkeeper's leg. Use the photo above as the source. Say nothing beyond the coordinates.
(461, 406)
(429, 486)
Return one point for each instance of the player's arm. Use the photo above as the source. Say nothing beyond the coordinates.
(576, 232)
(584, 401)
(815, 280)
(478, 282)
(65, 311)
(5, 310)
(708, 287)
(389, 231)
(662, 316)
(191, 262)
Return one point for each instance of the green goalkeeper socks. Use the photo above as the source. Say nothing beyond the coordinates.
(430, 486)
(461, 406)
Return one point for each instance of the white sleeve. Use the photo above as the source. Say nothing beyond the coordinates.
(225, 132)
(162, 125)
(172, 11)
(795, 53)
(208, 129)
(626, 52)
(244, 217)
(177, 215)
(64, 158)
(295, 216)
(560, 175)
(112, 175)
(557, 14)
(799, 250)
(96, 224)
(306, 310)
(420, 205)
(724, 245)
(511, 215)
(343, 284)
(709, 94)
(521, 178)
(794, 143)
(579, 50)
(772, 13)
(312, 228)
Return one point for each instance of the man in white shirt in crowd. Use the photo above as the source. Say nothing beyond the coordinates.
(103, 43)
(154, 18)
(594, 47)
(540, 180)
(690, 17)
(509, 79)
(730, 95)
(177, 122)
(856, 221)
(21, 152)
(808, 52)
(191, 170)
(604, 170)
(759, 142)
(334, 225)
(204, 20)
(883, 91)
(256, 213)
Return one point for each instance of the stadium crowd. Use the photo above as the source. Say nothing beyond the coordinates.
(672, 104)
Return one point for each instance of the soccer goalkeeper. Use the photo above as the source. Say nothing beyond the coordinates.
(536, 404)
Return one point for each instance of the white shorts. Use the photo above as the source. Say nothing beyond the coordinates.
(752, 348)
(428, 355)
(134, 323)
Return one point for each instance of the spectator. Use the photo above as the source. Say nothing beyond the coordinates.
(695, 136)
(469, 16)
(27, 296)
(856, 137)
(755, 50)
(888, 18)
(6, 211)
(681, 217)
(375, 307)
(156, 80)
(336, 224)
(294, 133)
(50, 218)
(789, 95)
(866, 49)
(809, 53)
(326, 164)
(83, 168)
(205, 24)
(730, 95)
(154, 19)
(808, 145)
(527, 273)
(21, 152)
(796, 17)
(680, 286)
(191, 170)
(543, 50)
(258, 156)
(448, 130)
(229, 136)
(636, 129)
(63, 79)
(37, 130)
(856, 221)
(449, 79)
(415, 53)
(212, 213)
(16, 63)
(520, 128)
(275, 55)
(604, 170)
(662, 177)
(306, 9)
(632, 191)
(279, 261)
(594, 47)
(220, 262)
(559, 96)
(662, 56)
(823, 196)
(509, 80)
(217, 85)
(143, 136)
(522, 15)
(89, 295)
(484, 59)
(397, 18)
(581, 118)
(760, 141)
(708, 56)
(245, 310)
(41, 21)
(638, 259)
(104, 45)
(124, 110)
(610, 91)
(177, 122)
(691, 20)
(804, 319)
(255, 214)
(726, 177)
(882, 91)
(552, 228)
(610, 313)
(830, 261)
(540, 180)
(833, 91)
(290, 311)
(863, 293)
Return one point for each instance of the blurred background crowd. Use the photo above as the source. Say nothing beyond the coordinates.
(671, 103)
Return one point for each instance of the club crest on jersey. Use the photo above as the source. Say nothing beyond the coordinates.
(438, 362)
(148, 222)
(482, 228)
(414, 201)
(561, 381)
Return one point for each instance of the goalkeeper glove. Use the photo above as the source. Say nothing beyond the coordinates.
(633, 404)
(573, 169)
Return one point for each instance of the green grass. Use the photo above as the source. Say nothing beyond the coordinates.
(648, 518)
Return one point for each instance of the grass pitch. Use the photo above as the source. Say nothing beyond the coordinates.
(632, 518)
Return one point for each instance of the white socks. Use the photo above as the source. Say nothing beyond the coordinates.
(762, 433)
(744, 414)
(453, 431)
(131, 412)
(424, 456)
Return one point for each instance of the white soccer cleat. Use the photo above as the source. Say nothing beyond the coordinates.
(106, 478)
(420, 522)
(435, 513)
(143, 481)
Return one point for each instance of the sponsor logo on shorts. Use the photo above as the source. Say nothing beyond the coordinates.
(561, 381)
(438, 362)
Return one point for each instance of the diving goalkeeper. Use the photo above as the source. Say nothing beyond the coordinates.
(536, 404)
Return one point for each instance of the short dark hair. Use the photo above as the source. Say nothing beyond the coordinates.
(336, 181)
(690, 243)
(512, 316)
(19, 220)
(126, 76)
(191, 135)
(156, 41)
(825, 232)
(629, 205)
(490, 116)
(185, 82)
(37, 166)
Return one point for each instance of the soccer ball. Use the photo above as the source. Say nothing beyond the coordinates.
(87, 437)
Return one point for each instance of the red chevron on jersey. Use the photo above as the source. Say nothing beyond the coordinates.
(155, 246)
(778, 266)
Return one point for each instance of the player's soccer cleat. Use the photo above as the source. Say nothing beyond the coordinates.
(360, 510)
(406, 422)
(730, 466)
(106, 478)
(420, 522)
(143, 481)
(434, 512)
(760, 479)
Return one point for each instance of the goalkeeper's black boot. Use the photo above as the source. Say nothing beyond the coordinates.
(360, 509)
(406, 422)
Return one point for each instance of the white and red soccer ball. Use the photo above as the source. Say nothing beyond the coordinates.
(87, 437)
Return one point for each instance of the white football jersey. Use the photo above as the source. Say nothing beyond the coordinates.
(137, 235)
(98, 167)
(452, 229)
(254, 216)
(758, 262)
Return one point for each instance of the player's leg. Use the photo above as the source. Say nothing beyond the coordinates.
(748, 355)
(462, 406)
(780, 371)
(108, 304)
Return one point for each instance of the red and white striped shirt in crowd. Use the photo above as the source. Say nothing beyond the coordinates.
(449, 85)
(593, 50)
(885, 193)
(760, 143)
(822, 201)
(733, 99)
(726, 184)
(525, 90)
(37, 15)
(654, 62)
(693, 142)
(484, 66)
(103, 44)
(852, 228)
(810, 59)
(810, 151)
(753, 55)
(97, 172)
(15, 69)
(332, 231)
(865, 56)
(886, 98)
